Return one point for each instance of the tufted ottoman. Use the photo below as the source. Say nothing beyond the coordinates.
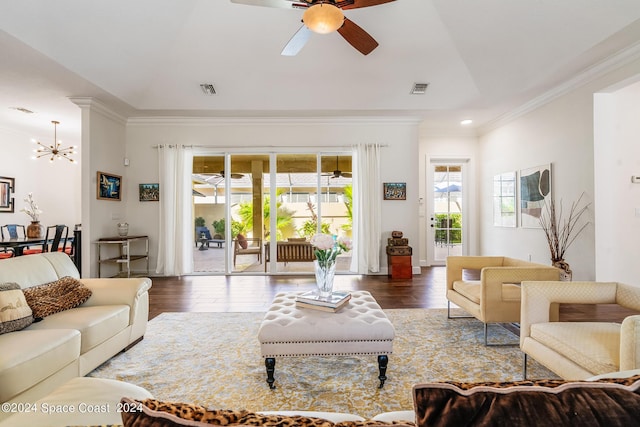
(361, 327)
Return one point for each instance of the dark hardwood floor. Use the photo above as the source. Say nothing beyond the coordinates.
(244, 293)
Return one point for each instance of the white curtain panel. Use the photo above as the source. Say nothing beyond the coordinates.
(367, 204)
(175, 252)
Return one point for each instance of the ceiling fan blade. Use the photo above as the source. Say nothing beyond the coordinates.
(199, 178)
(297, 42)
(363, 3)
(282, 4)
(346, 174)
(357, 37)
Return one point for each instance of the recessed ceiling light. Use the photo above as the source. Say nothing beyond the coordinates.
(22, 110)
(208, 89)
(466, 122)
(419, 88)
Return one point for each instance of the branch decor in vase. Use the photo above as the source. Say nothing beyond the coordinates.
(35, 229)
(326, 251)
(562, 231)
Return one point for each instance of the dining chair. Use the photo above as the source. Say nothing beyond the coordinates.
(56, 239)
(10, 231)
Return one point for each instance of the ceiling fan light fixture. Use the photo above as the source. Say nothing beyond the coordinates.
(323, 18)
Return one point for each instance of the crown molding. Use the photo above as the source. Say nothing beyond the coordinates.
(447, 132)
(600, 69)
(262, 121)
(96, 105)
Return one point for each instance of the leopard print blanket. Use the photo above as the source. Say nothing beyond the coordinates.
(155, 413)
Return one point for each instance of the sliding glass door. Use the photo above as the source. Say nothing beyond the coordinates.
(335, 201)
(308, 192)
(209, 211)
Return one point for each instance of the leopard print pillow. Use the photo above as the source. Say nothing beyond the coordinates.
(54, 297)
(155, 413)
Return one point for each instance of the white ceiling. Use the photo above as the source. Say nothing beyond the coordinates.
(481, 58)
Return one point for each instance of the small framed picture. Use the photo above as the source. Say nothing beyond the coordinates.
(149, 192)
(7, 188)
(395, 191)
(109, 186)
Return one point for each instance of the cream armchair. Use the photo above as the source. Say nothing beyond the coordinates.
(495, 298)
(579, 350)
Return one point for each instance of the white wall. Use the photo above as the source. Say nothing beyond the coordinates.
(55, 186)
(103, 149)
(617, 159)
(399, 162)
(560, 132)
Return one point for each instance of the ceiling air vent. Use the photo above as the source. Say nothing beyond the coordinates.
(22, 110)
(208, 89)
(419, 88)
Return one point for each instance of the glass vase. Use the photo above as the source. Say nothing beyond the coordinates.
(324, 277)
(123, 229)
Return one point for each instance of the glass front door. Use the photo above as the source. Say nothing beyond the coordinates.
(447, 218)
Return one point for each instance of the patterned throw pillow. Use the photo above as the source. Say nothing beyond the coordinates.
(15, 313)
(54, 297)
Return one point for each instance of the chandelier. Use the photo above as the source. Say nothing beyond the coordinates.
(323, 18)
(55, 151)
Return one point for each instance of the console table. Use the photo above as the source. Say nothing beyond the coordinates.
(124, 257)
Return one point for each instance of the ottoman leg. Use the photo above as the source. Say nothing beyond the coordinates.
(383, 361)
(270, 363)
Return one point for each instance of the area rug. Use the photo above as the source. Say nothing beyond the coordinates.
(213, 359)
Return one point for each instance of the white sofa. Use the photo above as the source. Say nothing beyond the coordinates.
(71, 343)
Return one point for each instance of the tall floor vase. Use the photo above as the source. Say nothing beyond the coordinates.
(324, 277)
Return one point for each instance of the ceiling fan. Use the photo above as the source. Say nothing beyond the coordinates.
(338, 173)
(208, 177)
(324, 16)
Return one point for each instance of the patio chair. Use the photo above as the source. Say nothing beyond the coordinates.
(247, 246)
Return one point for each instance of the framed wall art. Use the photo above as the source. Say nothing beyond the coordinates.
(535, 191)
(109, 186)
(504, 200)
(7, 188)
(395, 191)
(149, 192)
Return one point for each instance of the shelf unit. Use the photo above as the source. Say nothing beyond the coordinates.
(124, 258)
